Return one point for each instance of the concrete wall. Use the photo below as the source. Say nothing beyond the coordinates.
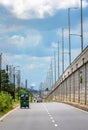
(72, 86)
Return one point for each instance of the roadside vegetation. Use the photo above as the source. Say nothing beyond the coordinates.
(9, 98)
(5, 102)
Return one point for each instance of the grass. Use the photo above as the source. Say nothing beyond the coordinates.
(15, 104)
(2, 113)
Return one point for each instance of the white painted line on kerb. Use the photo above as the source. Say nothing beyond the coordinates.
(81, 110)
(1, 119)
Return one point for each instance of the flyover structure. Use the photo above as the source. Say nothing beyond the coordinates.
(72, 86)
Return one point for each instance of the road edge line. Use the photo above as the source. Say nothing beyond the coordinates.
(8, 113)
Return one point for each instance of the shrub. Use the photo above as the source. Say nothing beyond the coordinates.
(5, 101)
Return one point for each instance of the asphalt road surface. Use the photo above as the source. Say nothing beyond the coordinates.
(46, 116)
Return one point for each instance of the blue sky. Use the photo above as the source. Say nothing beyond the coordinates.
(30, 30)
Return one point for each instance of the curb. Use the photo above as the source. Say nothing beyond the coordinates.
(1, 119)
(79, 106)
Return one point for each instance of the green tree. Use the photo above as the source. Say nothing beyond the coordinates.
(5, 84)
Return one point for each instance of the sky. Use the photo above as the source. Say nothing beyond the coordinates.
(30, 31)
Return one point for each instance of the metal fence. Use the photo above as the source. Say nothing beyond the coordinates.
(72, 86)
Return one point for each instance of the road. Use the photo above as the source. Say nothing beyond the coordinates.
(46, 116)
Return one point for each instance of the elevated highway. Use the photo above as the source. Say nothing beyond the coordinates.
(72, 86)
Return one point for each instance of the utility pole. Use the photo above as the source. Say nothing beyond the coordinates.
(81, 13)
(62, 50)
(0, 71)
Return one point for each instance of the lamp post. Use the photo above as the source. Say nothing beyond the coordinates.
(52, 72)
(55, 66)
(81, 14)
(62, 50)
(69, 36)
(58, 62)
(69, 33)
(81, 35)
(48, 80)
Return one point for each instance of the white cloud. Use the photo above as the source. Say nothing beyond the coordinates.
(17, 40)
(34, 68)
(27, 62)
(38, 63)
(54, 45)
(5, 28)
(33, 84)
(30, 39)
(38, 8)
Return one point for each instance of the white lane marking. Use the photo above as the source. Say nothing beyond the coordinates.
(55, 125)
(51, 117)
(45, 108)
(53, 121)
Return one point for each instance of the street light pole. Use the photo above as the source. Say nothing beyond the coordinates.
(62, 50)
(69, 33)
(81, 24)
(69, 36)
(52, 72)
(55, 66)
(58, 62)
(81, 13)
